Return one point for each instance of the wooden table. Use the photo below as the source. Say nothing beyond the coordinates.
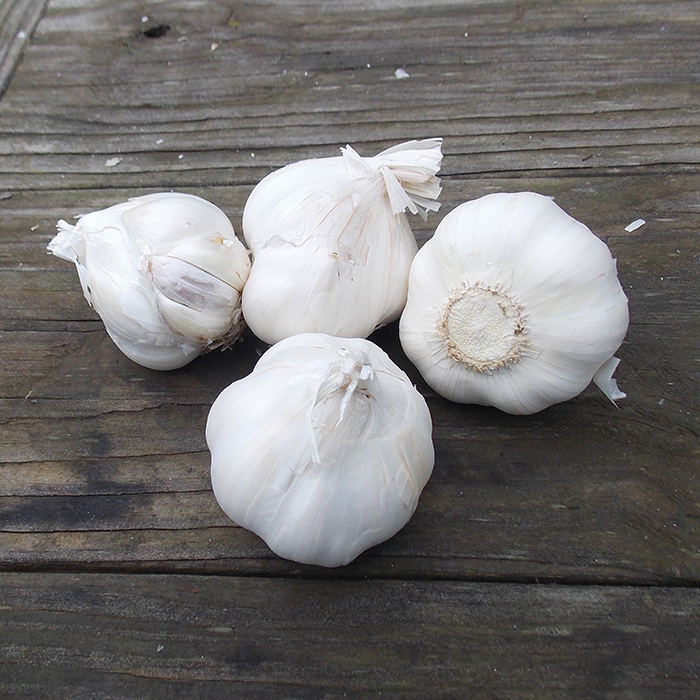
(551, 556)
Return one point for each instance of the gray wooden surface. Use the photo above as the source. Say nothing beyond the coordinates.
(551, 556)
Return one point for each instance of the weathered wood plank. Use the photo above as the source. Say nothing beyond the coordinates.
(18, 18)
(68, 636)
(227, 167)
(103, 464)
(596, 89)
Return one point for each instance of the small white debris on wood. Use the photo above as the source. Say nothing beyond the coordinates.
(634, 225)
(159, 141)
(181, 156)
(181, 39)
(400, 74)
(214, 47)
(34, 228)
(21, 34)
(112, 162)
(144, 19)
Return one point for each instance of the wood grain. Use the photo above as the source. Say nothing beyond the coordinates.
(121, 637)
(18, 18)
(110, 538)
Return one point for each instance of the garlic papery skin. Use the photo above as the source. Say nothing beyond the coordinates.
(323, 450)
(514, 304)
(331, 243)
(165, 273)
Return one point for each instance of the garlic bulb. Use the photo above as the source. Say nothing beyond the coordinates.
(165, 273)
(514, 304)
(323, 450)
(331, 245)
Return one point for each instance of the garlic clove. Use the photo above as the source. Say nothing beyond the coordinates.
(203, 325)
(323, 450)
(166, 219)
(163, 271)
(512, 303)
(205, 252)
(188, 284)
(331, 245)
(193, 303)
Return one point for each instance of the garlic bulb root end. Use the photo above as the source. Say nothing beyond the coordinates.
(231, 337)
(482, 328)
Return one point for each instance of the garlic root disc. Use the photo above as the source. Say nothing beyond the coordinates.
(482, 328)
(331, 245)
(514, 304)
(165, 273)
(323, 450)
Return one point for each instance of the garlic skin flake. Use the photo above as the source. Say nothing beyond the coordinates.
(331, 243)
(323, 450)
(514, 304)
(165, 273)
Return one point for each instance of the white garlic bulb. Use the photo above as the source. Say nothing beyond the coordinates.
(514, 304)
(165, 273)
(331, 245)
(323, 450)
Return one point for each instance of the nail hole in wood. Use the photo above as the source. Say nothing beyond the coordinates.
(155, 32)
